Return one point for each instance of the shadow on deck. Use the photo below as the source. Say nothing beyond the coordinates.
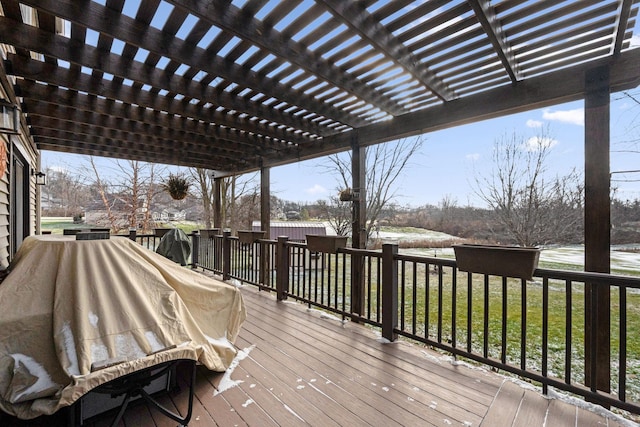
(296, 366)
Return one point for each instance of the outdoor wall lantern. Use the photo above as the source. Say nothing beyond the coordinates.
(9, 122)
(41, 178)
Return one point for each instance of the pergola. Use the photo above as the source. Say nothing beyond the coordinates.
(239, 86)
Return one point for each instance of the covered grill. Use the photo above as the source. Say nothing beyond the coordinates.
(77, 314)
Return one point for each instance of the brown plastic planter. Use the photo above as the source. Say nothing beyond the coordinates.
(509, 261)
(248, 237)
(328, 244)
(209, 233)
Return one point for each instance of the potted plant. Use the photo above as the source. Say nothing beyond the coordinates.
(328, 244)
(177, 186)
(346, 195)
(508, 261)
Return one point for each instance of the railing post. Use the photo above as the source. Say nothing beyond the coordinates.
(132, 234)
(389, 291)
(282, 268)
(357, 287)
(195, 254)
(226, 255)
(264, 263)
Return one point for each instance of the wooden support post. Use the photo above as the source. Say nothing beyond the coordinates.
(226, 255)
(358, 226)
(389, 291)
(265, 223)
(597, 222)
(217, 203)
(132, 234)
(195, 253)
(282, 268)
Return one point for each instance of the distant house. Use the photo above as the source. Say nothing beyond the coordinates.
(295, 230)
(170, 215)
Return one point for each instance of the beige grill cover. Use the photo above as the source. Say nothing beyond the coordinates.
(70, 303)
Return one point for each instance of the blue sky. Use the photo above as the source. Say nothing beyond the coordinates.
(451, 159)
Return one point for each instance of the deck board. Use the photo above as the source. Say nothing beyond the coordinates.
(532, 410)
(300, 367)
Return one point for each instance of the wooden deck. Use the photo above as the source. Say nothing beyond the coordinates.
(298, 367)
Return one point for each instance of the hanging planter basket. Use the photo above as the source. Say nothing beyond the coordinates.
(346, 195)
(177, 186)
(508, 261)
(327, 244)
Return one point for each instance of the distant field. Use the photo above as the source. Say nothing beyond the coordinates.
(561, 258)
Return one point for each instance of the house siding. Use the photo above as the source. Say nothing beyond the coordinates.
(17, 147)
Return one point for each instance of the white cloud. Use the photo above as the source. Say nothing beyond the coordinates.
(626, 106)
(536, 143)
(316, 189)
(534, 123)
(635, 40)
(574, 117)
(473, 157)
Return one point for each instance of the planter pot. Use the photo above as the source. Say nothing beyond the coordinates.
(509, 261)
(209, 233)
(346, 195)
(328, 244)
(248, 236)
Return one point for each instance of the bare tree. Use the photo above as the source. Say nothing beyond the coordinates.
(103, 190)
(205, 192)
(240, 198)
(534, 208)
(128, 202)
(65, 194)
(337, 213)
(384, 165)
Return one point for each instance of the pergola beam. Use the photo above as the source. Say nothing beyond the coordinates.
(487, 17)
(621, 25)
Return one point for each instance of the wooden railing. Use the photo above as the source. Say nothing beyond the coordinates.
(531, 329)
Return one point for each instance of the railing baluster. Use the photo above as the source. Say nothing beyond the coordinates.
(485, 343)
(503, 349)
(369, 287)
(545, 332)
(403, 282)
(378, 289)
(523, 325)
(344, 283)
(622, 362)
(469, 312)
(414, 298)
(440, 303)
(568, 334)
(454, 303)
(427, 306)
